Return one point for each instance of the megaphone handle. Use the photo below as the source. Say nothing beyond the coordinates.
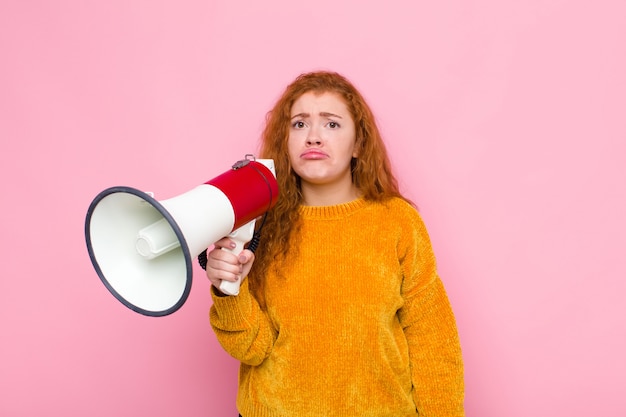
(240, 236)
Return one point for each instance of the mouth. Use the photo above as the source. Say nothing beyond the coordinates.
(314, 154)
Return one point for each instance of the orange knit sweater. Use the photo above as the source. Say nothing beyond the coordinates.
(358, 324)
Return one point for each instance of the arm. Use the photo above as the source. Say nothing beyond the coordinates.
(241, 326)
(430, 329)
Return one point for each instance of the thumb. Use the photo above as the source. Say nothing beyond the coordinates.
(246, 256)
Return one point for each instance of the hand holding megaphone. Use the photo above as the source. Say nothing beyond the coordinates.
(240, 237)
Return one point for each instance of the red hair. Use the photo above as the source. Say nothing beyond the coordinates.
(371, 171)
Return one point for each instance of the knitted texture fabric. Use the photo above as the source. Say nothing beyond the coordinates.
(357, 323)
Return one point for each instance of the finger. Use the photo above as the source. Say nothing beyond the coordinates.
(222, 265)
(221, 271)
(218, 255)
(225, 242)
(246, 257)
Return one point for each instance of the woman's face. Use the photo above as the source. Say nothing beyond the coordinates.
(322, 140)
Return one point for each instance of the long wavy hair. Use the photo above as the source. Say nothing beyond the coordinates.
(371, 170)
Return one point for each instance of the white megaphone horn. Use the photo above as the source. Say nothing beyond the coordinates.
(143, 249)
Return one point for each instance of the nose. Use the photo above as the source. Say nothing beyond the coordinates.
(313, 138)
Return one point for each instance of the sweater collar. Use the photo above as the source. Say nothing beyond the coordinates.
(332, 212)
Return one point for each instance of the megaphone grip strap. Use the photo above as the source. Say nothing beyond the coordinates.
(202, 259)
(254, 242)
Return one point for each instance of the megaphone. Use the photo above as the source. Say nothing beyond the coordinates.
(143, 249)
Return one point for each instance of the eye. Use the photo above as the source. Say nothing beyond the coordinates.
(298, 125)
(333, 125)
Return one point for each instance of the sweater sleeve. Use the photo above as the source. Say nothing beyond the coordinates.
(430, 329)
(241, 326)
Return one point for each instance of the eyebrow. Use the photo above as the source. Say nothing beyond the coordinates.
(323, 114)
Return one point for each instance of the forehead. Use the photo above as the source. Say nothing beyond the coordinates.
(325, 101)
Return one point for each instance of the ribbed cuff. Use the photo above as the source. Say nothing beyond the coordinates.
(234, 310)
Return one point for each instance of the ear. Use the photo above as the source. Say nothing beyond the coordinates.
(355, 148)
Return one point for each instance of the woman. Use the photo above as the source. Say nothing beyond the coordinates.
(341, 311)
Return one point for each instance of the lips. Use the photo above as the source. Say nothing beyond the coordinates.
(314, 154)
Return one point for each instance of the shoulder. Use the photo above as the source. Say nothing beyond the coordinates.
(397, 208)
(400, 204)
(394, 216)
(403, 219)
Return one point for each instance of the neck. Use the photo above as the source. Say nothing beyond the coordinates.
(328, 194)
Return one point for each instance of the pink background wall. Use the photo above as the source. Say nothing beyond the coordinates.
(505, 122)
